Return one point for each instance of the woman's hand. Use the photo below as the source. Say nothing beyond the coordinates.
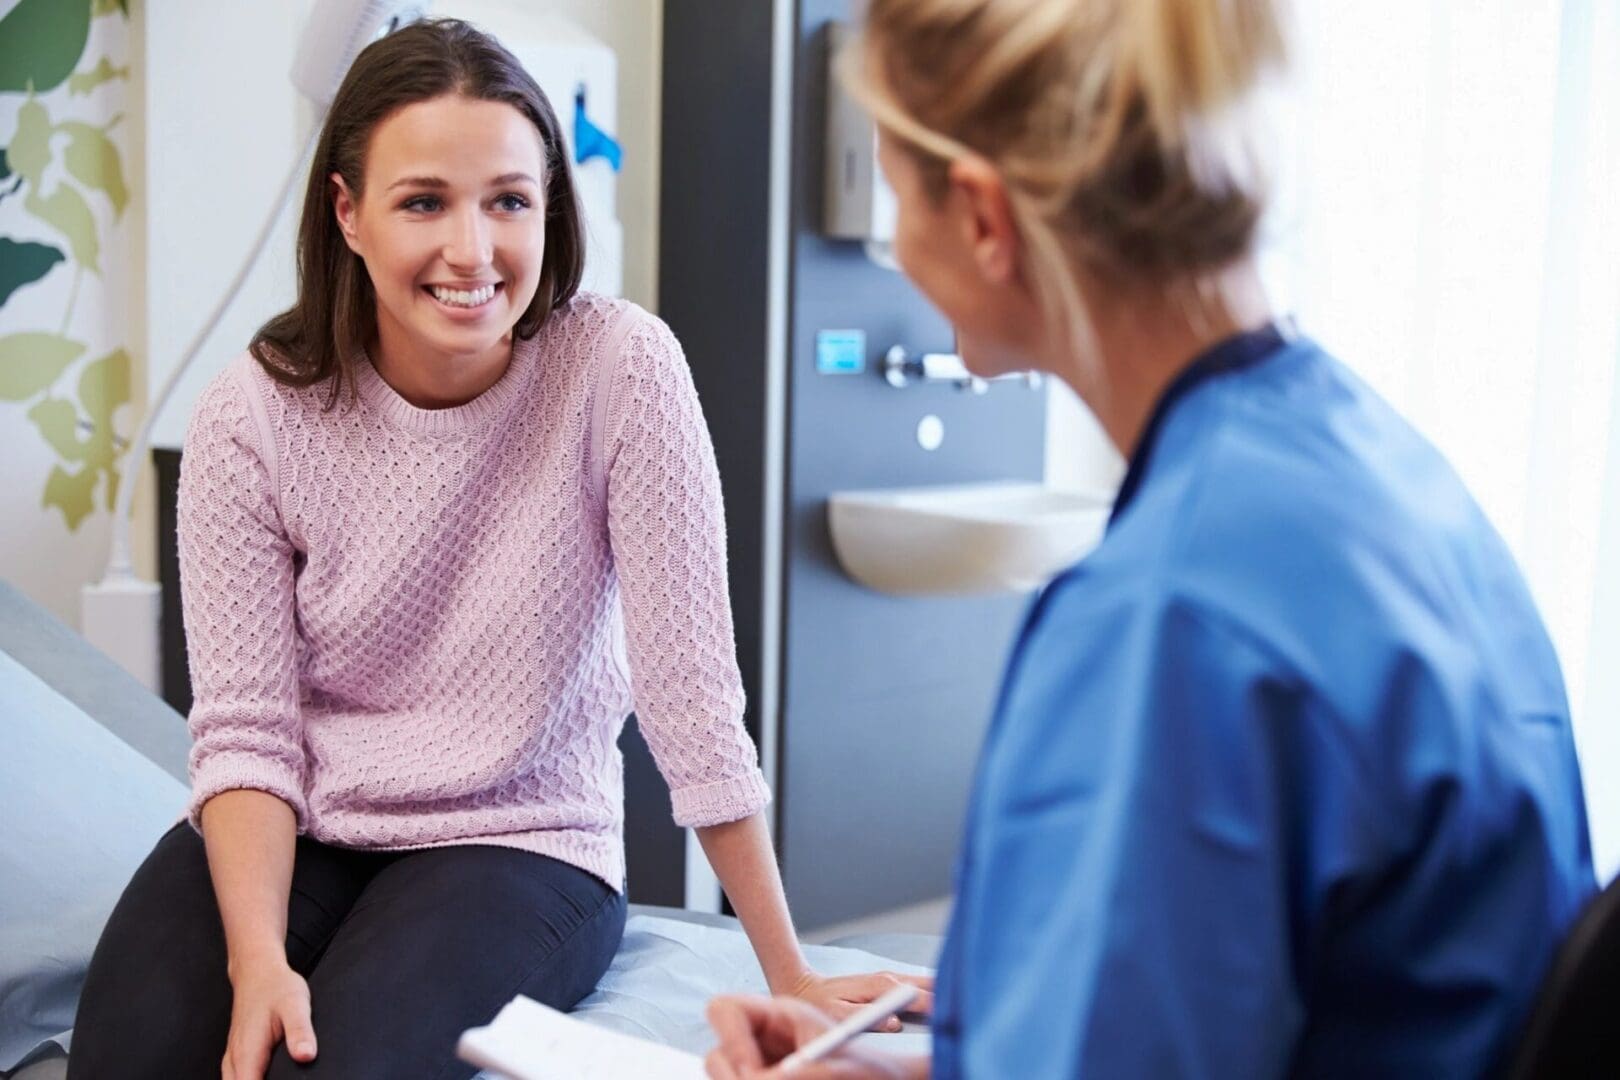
(838, 997)
(270, 1003)
(756, 1033)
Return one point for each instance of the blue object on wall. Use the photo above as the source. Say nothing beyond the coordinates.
(840, 352)
(591, 141)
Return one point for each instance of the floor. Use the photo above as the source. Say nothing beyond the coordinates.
(929, 917)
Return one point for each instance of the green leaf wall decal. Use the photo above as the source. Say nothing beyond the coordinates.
(5, 166)
(30, 149)
(31, 361)
(41, 42)
(108, 7)
(66, 211)
(93, 160)
(72, 493)
(23, 264)
(103, 72)
(103, 386)
(58, 421)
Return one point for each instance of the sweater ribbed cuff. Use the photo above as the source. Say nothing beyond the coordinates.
(230, 770)
(721, 801)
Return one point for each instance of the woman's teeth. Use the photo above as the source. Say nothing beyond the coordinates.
(463, 298)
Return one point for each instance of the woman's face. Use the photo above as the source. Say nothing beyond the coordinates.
(960, 249)
(451, 223)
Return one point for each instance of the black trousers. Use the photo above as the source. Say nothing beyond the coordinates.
(403, 951)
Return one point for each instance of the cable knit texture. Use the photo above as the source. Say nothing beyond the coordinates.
(423, 627)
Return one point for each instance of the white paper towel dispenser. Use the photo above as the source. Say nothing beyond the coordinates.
(857, 202)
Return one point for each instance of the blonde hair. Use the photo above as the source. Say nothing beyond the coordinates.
(1118, 126)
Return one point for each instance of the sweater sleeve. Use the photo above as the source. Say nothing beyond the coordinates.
(236, 584)
(668, 532)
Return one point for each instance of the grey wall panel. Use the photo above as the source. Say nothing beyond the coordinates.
(712, 291)
(654, 850)
(711, 284)
(885, 699)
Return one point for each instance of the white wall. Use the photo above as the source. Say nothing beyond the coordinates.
(225, 123)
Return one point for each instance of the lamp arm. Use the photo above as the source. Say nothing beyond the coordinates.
(120, 564)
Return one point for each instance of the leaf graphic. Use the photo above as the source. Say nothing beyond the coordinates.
(5, 166)
(30, 149)
(66, 211)
(93, 160)
(58, 421)
(41, 42)
(107, 7)
(31, 361)
(23, 264)
(72, 493)
(103, 72)
(103, 387)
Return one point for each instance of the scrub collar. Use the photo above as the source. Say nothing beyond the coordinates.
(1236, 353)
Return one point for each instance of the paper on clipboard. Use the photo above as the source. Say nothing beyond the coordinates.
(531, 1041)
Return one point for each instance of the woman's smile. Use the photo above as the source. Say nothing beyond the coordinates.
(465, 302)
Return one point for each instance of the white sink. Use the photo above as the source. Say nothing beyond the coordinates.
(967, 538)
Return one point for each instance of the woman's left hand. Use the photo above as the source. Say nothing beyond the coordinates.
(840, 996)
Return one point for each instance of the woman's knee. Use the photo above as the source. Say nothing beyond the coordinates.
(573, 967)
(442, 941)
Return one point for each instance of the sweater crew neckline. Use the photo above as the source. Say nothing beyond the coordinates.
(456, 419)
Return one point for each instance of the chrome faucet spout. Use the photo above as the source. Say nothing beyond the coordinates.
(901, 369)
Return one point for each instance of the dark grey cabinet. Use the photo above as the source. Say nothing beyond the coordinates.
(868, 708)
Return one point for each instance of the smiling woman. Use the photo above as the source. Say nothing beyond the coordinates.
(430, 159)
(453, 253)
(404, 620)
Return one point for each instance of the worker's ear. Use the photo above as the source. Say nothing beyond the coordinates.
(989, 230)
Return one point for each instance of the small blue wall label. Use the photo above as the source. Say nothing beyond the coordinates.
(840, 352)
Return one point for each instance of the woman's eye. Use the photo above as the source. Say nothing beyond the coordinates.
(511, 203)
(425, 203)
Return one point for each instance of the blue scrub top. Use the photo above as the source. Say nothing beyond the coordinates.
(1281, 779)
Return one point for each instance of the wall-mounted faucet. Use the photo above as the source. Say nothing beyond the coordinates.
(901, 369)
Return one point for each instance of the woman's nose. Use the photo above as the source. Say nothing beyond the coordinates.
(468, 245)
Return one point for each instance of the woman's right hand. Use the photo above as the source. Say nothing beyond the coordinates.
(270, 1004)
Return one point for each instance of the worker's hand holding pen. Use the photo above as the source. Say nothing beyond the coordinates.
(785, 1037)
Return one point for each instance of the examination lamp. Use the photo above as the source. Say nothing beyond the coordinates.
(120, 612)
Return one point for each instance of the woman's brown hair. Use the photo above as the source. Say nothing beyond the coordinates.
(336, 311)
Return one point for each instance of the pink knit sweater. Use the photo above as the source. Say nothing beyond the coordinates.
(426, 627)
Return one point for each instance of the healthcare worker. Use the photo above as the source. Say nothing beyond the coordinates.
(1281, 779)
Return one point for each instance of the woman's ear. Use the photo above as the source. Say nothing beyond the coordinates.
(343, 207)
(986, 217)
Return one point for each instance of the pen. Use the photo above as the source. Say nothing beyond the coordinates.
(850, 1026)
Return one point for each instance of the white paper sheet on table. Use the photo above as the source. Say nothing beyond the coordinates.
(530, 1041)
(667, 970)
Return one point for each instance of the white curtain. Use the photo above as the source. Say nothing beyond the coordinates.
(1447, 222)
